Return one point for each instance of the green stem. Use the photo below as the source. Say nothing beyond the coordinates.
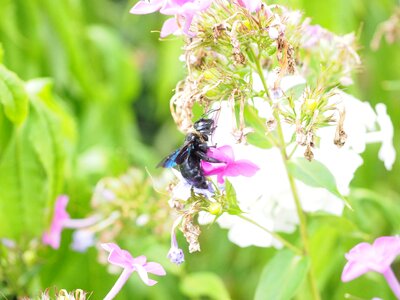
(299, 209)
(286, 243)
(261, 74)
(293, 151)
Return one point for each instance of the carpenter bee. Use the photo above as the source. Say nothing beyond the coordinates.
(188, 158)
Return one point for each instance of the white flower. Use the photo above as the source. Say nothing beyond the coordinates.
(266, 197)
(387, 153)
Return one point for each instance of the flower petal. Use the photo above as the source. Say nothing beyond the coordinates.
(242, 167)
(82, 239)
(386, 249)
(144, 7)
(110, 246)
(53, 236)
(212, 169)
(140, 260)
(144, 276)
(359, 251)
(352, 270)
(224, 153)
(118, 257)
(170, 26)
(220, 178)
(251, 5)
(387, 153)
(154, 268)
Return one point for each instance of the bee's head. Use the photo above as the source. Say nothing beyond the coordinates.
(204, 126)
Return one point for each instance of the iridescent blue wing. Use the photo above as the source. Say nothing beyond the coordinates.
(175, 158)
(169, 161)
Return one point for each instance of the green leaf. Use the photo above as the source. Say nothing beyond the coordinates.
(1, 54)
(13, 96)
(231, 199)
(204, 284)
(282, 276)
(315, 174)
(260, 137)
(32, 166)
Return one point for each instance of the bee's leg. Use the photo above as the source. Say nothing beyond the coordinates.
(203, 156)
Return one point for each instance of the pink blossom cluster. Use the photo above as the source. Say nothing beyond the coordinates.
(183, 12)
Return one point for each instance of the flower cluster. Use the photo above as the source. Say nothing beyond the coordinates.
(183, 13)
(115, 202)
(275, 84)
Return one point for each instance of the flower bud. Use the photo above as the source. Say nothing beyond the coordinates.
(176, 256)
(215, 209)
(311, 104)
(29, 257)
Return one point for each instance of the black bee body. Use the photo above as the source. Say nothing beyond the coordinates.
(192, 172)
(188, 158)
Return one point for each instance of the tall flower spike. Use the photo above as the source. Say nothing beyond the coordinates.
(229, 167)
(377, 257)
(175, 254)
(61, 220)
(124, 259)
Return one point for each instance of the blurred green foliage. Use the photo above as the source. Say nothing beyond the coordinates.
(104, 106)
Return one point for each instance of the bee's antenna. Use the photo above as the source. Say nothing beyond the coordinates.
(210, 112)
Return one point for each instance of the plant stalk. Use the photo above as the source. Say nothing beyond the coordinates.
(299, 209)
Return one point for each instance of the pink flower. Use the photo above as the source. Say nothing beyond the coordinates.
(251, 5)
(229, 167)
(53, 236)
(124, 259)
(61, 220)
(377, 257)
(183, 10)
(147, 7)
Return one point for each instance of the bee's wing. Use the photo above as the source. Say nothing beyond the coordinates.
(175, 158)
(169, 161)
(183, 154)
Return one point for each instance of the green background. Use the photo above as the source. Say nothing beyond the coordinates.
(114, 78)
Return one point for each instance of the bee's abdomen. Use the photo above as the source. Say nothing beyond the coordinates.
(192, 172)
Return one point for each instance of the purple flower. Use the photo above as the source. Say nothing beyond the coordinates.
(61, 220)
(377, 257)
(82, 239)
(183, 10)
(175, 254)
(124, 259)
(251, 5)
(229, 167)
